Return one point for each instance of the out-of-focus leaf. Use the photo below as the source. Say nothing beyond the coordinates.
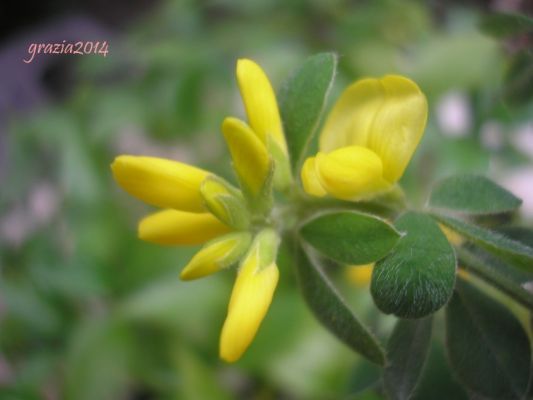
(407, 352)
(417, 278)
(302, 100)
(519, 79)
(488, 348)
(472, 194)
(97, 361)
(350, 237)
(198, 380)
(437, 382)
(431, 67)
(501, 25)
(331, 310)
(521, 234)
(515, 252)
(492, 269)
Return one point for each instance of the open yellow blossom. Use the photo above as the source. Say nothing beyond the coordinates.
(367, 140)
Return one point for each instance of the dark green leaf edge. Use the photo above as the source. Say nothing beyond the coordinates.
(464, 287)
(520, 254)
(316, 286)
(284, 92)
(407, 360)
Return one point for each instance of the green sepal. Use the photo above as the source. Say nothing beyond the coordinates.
(282, 173)
(225, 202)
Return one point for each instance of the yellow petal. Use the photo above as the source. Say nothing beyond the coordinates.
(249, 303)
(386, 115)
(173, 227)
(360, 275)
(217, 254)
(351, 173)
(250, 157)
(310, 180)
(160, 182)
(251, 295)
(260, 102)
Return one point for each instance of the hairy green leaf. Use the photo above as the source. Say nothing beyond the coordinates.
(487, 346)
(351, 237)
(302, 100)
(331, 310)
(417, 278)
(515, 252)
(472, 194)
(407, 352)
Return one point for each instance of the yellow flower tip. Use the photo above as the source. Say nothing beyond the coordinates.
(250, 156)
(174, 227)
(260, 103)
(251, 297)
(160, 182)
(453, 237)
(349, 173)
(360, 275)
(463, 273)
(217, 254)
(310, 180)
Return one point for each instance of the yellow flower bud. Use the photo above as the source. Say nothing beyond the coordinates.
(219, 253)
(251, 296)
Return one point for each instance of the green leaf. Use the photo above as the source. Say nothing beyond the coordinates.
(351, 237)
(472, 194)
(501, 275)
(437, 382)
(501, 25)
(302, 100)
(487, 346)
(418, 277)
(331, 310)
(515, 252)
(407, 352)
(518, 88)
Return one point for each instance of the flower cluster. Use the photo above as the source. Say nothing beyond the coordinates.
(365, 146)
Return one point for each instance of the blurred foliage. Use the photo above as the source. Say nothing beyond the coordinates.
(90, 312)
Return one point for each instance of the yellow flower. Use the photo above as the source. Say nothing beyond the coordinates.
(201, 208)
(367, 140)
(360, 275)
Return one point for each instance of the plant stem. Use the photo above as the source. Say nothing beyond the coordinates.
(495, 278)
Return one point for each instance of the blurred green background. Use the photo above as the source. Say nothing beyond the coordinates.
(88, 311)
